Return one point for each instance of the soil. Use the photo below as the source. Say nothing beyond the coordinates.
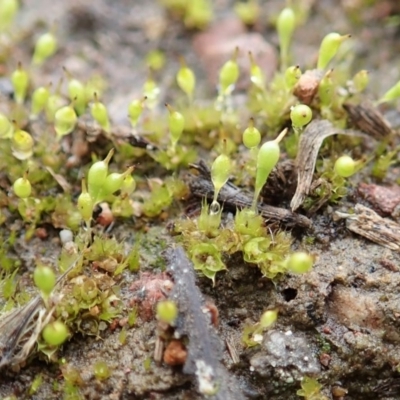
(339, 323)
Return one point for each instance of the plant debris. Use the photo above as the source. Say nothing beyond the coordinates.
(369, 224)
(368, 119)
(204, 347)
(310, 142)
(235, 198)
(20, 328)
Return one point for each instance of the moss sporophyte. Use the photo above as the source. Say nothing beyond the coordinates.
(64, 161)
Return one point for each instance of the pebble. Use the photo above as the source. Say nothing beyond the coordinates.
(216, 45)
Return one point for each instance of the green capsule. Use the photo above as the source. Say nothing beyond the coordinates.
(329, 47)
(267, 158)
(97, 175)
(268, 318)
(128, 185)
(151, 91)
(220, 172)
(65, 120)
(229, 74)
(186, 80)
(300, 115)
(176, 124)
(100, 114)
(22, 187)
(257, 77)
(167, 311)
(248, 12)
(135, 110)
(101, 370)
(85, 203)
(292, 75)
(345, 166)
(285, 26)
(251, 136)
(40, 98)
(300, 262)
(20, 82)
(8, 10)
(44, 278)
(54, 103)
(55, 333)
(326, 89)
(114, 181)
(361, 80)
(22, 144)
(77, 95)
(45, 47)
(6, 127)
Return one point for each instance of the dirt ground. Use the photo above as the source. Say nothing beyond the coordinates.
(339, 323)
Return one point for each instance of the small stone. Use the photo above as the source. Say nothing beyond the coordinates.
(383, 198)
(325, 359)
(66, 236)
(216, 46)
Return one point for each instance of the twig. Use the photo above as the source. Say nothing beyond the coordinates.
(234, 198)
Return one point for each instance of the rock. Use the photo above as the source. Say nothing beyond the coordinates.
(216, 46)
(382, 198)
(285, 355)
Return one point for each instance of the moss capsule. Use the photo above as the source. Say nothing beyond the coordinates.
(292, 75)
(151, 91)
(100, 114)
(268, 318)
(97, 175)
(229, 74)
(300, 115)
(20, 82)
(22, 144)
(329, 47)
(176, 123)
(45, 47)
(345, 166)
(114, 181)
(85, 203)
(55, 333)
(101, 370)
(39, 100)
(361, 80)
(44, 278)
(65, 120)
(135, 110)
(285, 26)
(8, 10)
(300, 262)
(251, 136)
(77, 94)
(267, 158)
(257, 77)
(220, 172)
(248, 12)
(22, 187)
(167, 311)
(6, 127)
(186, 80)
(326, 89)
